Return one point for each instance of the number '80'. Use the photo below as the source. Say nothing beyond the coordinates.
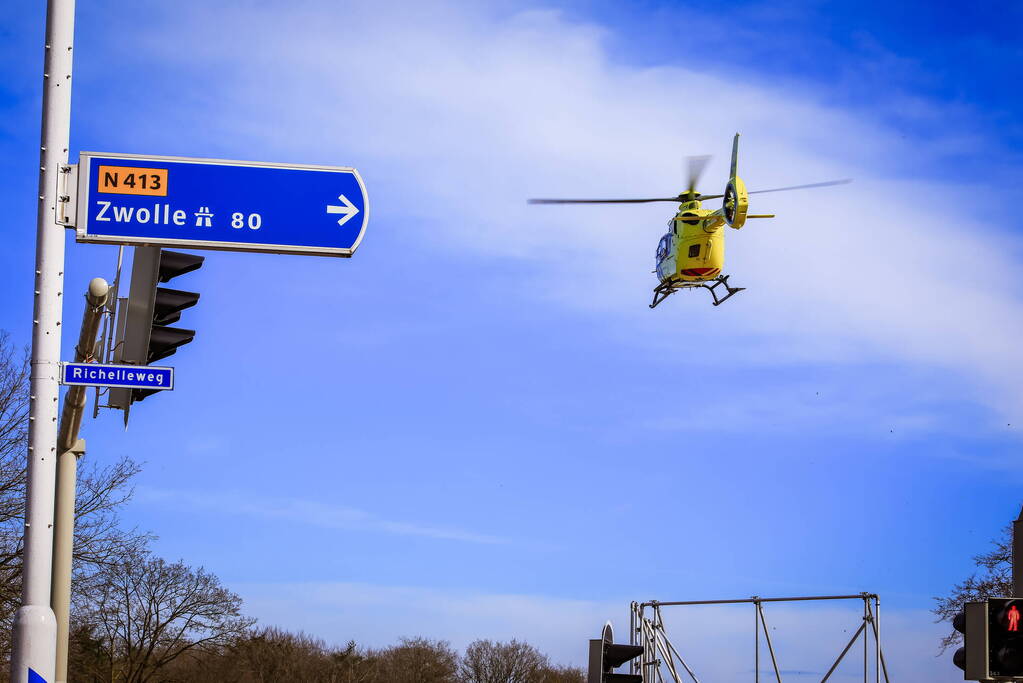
(239, 221)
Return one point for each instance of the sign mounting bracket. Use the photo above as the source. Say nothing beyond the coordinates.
(66, 207)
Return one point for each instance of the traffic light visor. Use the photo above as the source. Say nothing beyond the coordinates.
(169, 303)
(174, 263)
(615, 654)
(164, 341)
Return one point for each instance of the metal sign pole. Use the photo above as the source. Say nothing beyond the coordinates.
(34, 643)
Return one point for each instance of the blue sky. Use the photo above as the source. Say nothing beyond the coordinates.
(475, 427)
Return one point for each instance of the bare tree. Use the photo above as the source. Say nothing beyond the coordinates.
(488, 662)
(417, 660)
(88, 658)
(995, 580)
(14, 377)
(147, 612)
(271, 654)
(562, 674)
(101, 492)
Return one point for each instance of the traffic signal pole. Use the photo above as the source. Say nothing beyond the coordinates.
(1017, 556)
(34, 642)
(63, 551)
(71, 448)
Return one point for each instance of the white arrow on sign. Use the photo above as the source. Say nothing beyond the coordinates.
(346, 211)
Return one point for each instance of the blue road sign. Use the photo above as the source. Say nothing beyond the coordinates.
(217, 204)
(126, 376)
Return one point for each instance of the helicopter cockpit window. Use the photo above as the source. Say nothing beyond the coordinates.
(663, 247)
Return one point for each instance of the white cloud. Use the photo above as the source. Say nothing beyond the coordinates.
(306, 512)
(457, 115)
(801, 409)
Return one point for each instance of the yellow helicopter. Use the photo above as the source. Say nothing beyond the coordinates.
(692, 253)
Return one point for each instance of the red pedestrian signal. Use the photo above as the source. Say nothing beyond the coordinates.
(1005, 639)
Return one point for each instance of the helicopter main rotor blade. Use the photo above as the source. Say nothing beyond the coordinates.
(802, 187)
(696, 166)
(603, 201)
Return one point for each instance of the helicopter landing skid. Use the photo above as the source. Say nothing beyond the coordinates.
(669, 287)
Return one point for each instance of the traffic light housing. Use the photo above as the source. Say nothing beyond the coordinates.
(606, 656)
(144, 334)
(972, 657)
(992, 640)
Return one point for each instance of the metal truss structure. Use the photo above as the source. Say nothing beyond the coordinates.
(662, 662)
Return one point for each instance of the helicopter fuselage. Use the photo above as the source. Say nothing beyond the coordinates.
(693, 250)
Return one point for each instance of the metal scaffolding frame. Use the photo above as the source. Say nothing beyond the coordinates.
(646, 628)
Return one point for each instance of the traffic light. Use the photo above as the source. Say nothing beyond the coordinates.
(993, 640)
(144, 334)
(1005, 638)
(606, 655)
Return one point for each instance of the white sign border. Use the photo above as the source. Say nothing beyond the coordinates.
(83, 236)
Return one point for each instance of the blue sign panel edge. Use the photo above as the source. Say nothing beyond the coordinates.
(82, 234)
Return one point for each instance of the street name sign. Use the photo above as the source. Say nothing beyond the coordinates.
(122, 376)
(273, 208)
